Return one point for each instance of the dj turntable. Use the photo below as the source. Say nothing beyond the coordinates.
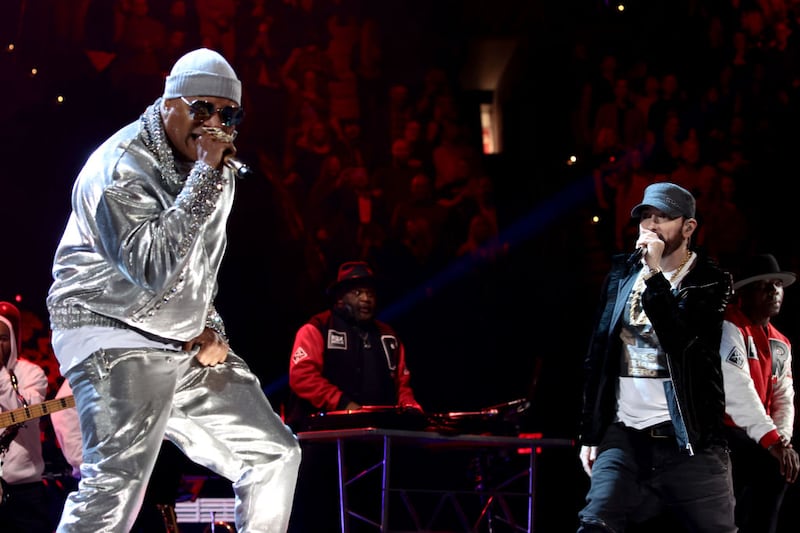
(375, 416)
(501, 419)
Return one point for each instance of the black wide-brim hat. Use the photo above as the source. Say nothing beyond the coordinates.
(764, 267)
(352, 274)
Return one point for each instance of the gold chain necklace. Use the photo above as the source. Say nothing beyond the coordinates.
(636, 314)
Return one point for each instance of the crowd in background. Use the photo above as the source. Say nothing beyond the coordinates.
(713, 110)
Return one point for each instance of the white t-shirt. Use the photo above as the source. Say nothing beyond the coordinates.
(641, 397)
(72, 346)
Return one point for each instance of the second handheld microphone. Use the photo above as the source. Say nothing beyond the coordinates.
(636, 256)
(242, 170)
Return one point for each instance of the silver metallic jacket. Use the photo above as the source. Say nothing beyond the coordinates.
(145, 239)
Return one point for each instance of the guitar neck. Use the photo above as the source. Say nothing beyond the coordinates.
(23, 414)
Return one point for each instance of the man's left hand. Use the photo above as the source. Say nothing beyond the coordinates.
(788, 460)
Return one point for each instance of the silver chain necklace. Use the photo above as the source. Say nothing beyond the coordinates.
(154, 139)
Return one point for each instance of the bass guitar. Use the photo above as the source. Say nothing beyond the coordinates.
(23, 414)
(12, 420)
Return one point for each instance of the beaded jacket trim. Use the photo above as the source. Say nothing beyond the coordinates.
(197, 196)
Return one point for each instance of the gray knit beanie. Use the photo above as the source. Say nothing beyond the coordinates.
(203, 72)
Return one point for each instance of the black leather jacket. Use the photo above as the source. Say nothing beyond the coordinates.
(688, 322)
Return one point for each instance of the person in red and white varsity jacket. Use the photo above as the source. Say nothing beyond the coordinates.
(759, 395)
(344, 358)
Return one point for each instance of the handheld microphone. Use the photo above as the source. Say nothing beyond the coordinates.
(242, 171)
(218, 134)
(636, 256)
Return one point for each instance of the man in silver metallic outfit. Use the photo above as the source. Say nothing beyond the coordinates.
(134, 324)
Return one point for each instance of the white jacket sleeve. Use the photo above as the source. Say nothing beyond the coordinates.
(782, 406)
(742, 403)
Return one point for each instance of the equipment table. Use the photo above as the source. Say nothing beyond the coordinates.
(494, 500)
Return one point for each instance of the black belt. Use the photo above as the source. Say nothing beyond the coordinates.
(660, 431)
(664, 430)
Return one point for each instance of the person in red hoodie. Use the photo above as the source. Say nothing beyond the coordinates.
(22, 384)
(759, 395)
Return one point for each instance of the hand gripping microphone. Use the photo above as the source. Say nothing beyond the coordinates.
(242, 171)
(636, 256)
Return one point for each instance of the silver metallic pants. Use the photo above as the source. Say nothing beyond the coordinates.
(129, 400)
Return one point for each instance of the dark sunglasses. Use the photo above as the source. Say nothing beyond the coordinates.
(203, 110)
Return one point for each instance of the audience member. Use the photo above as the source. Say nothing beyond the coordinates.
(304, 159)
(667, 145)
(420, 151)
(217, 25)
(267, 105)
(648, 95)
(141, 39)
(370, 71)
(400, 110)
(607, 166)
(481, 242)
(307, 72)
(181, 27)
(726, 233)
(603, 80)
(343, 27)
(622, 116)
(671, 102)
(419, 203)
(631, 181)
(452, 158)
(689, 166)
(355, 217)
(476, 197)
(394, 179)
(354, 149)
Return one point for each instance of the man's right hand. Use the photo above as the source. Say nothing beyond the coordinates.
(212, 150)
(213, 349)
(588, 456)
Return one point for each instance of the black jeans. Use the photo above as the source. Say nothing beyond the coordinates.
(757, 483)
(640, 473)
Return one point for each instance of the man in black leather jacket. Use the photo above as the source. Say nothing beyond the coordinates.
(653, 405)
